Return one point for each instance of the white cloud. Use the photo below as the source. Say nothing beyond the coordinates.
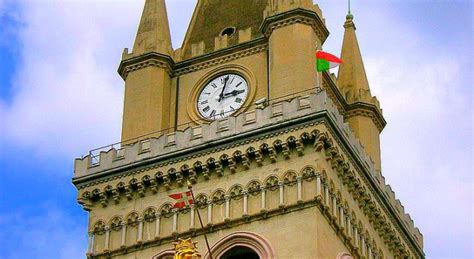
(49, 235)
(67, 93)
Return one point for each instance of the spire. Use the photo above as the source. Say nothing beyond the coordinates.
(154, 32)
(352, 79)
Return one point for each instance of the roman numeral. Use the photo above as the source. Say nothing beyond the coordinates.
(205, 102)
(206, 109)
(238, 84)
(238, 100)
(212, 113)
(214, 85)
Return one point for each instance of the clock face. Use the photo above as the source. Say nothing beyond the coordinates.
(222, 96)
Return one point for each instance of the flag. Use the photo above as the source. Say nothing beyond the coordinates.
(182, 199)
(326, 61)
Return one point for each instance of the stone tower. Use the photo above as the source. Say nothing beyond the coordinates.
(282, 165)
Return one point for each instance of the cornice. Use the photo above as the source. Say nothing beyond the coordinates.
(154, 59)
(151, 59)
(295, 16)
(221, 56)
(368, 110)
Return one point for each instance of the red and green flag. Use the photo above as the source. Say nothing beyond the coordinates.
(326, 61)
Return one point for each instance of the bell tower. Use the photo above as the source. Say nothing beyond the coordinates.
(280, 164)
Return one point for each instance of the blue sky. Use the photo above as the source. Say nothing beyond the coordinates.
(60, 96)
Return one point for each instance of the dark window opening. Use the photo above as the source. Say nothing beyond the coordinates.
(228, 31)
(240, 252)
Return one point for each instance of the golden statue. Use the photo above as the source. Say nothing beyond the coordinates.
(186, 249)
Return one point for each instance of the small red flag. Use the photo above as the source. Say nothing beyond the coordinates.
(182, 199)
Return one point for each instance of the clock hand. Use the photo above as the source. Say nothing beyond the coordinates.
(221, 96)
(233, 93)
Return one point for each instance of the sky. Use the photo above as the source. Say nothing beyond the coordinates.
(60, 96)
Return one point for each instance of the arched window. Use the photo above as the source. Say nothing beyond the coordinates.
(240, 252)
(245, 245)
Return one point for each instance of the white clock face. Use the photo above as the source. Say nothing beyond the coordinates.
(222, 96)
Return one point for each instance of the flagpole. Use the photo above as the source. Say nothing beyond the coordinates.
(190, 187)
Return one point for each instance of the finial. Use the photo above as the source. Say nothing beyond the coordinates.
(349, 15)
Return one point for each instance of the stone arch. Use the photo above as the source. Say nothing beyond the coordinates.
(254, 188)
(236, 191)
(251, 240)
(166, 219)
(99, 236)
(149, 214)
(290, 188)
(272, 196)
(218, 196)
(271, 182)
(165, 254)
(344, 255)
(99, 227)
(308, 173)
(116, 225)
(166, 210)
(289, 178)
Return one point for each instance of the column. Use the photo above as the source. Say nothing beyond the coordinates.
(124, 234)
(246, 207)
(90, 248)
(300, 188)
(191, 224)
(107, 239)
(363, 246)
(175, 221)
(140, 230)
(263, 200)
(341, 216)
(349, 226)
(227, 208)
(318, 185)
(157, 226)
(209, 212)
(326, 196)
(356, 237)
(334, 206)
(282, 194)
(370, 252)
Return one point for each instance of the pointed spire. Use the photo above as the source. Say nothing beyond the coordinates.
(154, 32)
(352, 79)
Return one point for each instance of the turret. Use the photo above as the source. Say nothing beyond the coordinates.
(147, 73)
(295, 30)
(364, 114)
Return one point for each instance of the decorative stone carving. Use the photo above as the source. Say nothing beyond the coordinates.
(272, 183)
(254, 187)
(116, 223)
(201, 201)
(290, 178)
(99, 228)
(236, 192)
(132, 219)
(308, 173)
(149, 215)
(218, 197)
